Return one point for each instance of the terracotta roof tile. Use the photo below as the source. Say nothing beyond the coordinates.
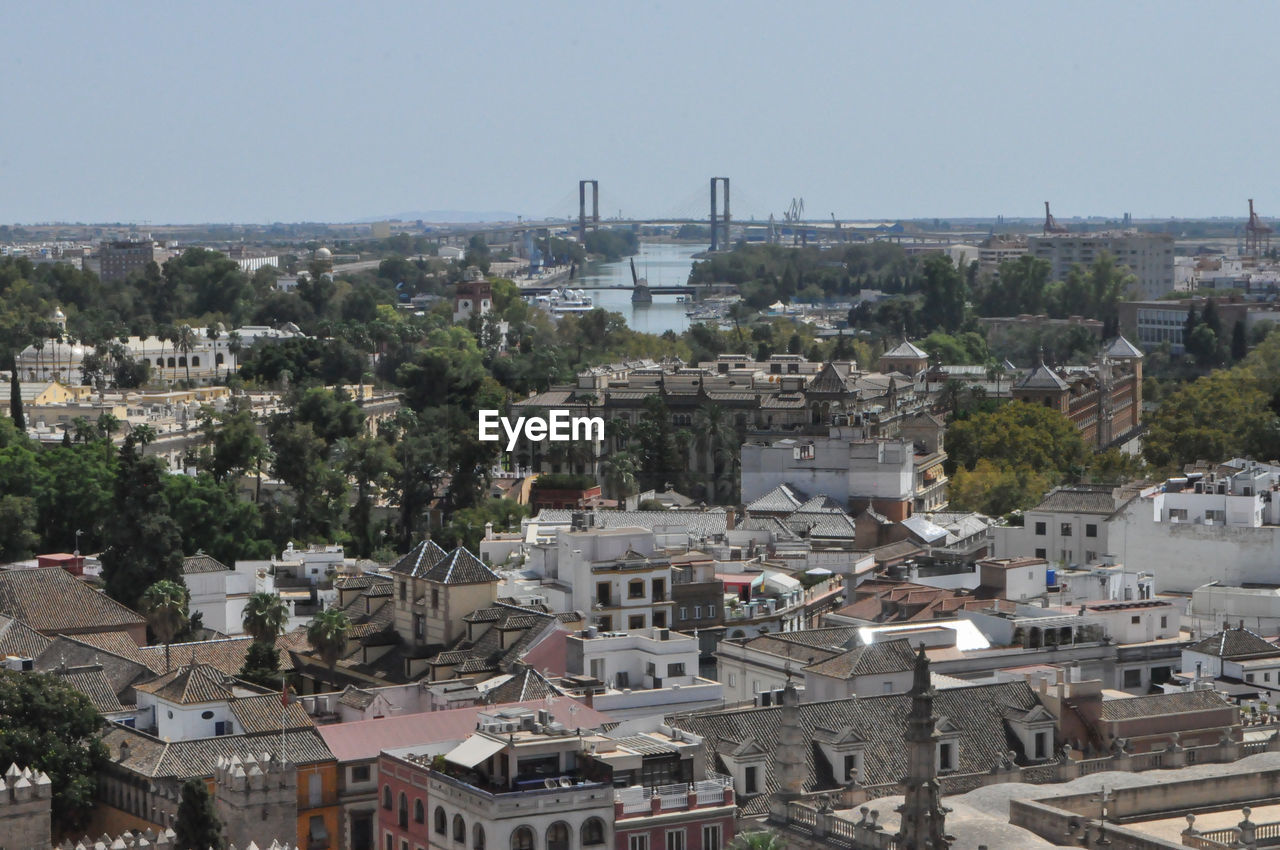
(51, 600)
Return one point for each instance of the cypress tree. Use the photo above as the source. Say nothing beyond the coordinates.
(197, 827)
(1239, 342)
(15, 401)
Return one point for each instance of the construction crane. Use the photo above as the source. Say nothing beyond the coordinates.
(793, 215)
(1050, 223)
(1257, 234)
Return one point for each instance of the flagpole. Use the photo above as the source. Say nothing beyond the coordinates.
(284, 707)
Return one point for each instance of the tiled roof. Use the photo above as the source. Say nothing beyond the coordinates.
(1155, 705)
(1234, 643)
(190, 685)
(487, 653)
(120, 672)
(906, 349)
(92, 682)
(526, 684)
(225, 654)
(262, 714)
(357, 698)
(821, 504)
(17, 638)
(51, 600)
(182, 760)
(361, 582)
(829, 380)
(202, 563)
(1079, 499)
(835, 637)
(420, 559)
(116, 643)
(891, 656)
(428, 561)
(977, 713)
(1122, 348)
(1042, 378)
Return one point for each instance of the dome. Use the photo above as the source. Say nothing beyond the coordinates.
(324, 254)
(58, 315)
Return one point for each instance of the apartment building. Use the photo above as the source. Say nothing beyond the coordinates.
(1149, 256)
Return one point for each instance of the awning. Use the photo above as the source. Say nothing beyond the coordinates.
(474, 750)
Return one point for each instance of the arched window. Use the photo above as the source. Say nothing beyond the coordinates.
(404, 810)
(195, 361)
(593, 832)
(459, 829)
(419, 812)
(442, 822)
(160, 362)
(386, 797)
(558, 836)
(218, 359)
(171, 363)
(182, 361)
(477, 837)
(522, 838)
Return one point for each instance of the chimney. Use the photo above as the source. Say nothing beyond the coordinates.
(730, 519)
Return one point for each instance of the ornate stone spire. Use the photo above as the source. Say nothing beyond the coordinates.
(923, 815)
(789, 761)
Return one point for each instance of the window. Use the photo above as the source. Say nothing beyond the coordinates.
(1132, 679)
(419, 812)
(675, 669)
(659, 619)
(206, 715)
(637, 842)
(1090, 556)
(419, 627)
(360, 773)
(1040, 529)
(635, 621)
(522, 839)
(390, 842)
(404, 844)
(850, 768)
(1248, 677)
(477, 837)
(593, 832)
(712, 837)
(386, 797)
(606, 623)
(1065, 530)
(1135, 619)
(315, 790)
(947, 757)
(558, 836)
(1164, 622)
(752, 780)
(635, 589)
(404, 590)
(1041, 553)
(403, 817)
(1090, 530)
(684, 613)
(1177, 514)
(441, 824)
(712, 611)
(603, 593)
(675, 839)
(697, 612)
(435, 597)
(1040, 745)
(659, 590)
(733, 680)
(459, 829)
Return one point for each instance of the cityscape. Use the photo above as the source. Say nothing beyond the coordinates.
(450, 429)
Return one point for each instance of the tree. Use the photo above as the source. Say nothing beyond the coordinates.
(185, 339)
(944, 294)
(327, 635)
(15, 401)
(265, 617)
(368, 462)
(1239, 342)
(165, 606)
(198, 826)
(143, 543)
(1018, 435)
(762, 839)
(719, 446)
(262, 665)
(47, 725)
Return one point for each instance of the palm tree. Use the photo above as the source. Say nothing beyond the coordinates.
(265, 617)
(234, 346)
(184, 339)
(165, 606)
(619, 473)
(760, 839)
(716, 440)
(143, 435)
(327, 635)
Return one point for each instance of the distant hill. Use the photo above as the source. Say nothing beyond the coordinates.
(436, 216)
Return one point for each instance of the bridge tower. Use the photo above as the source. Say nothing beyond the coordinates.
(723, 224)
(582, 207)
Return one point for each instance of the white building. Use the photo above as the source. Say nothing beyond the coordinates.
(1068, 527)
(219, 593)
(858, 473)
(1148, 255)
(639, 674)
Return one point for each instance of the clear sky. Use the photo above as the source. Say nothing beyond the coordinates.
(284, 111)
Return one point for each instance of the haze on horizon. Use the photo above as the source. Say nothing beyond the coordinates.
(297, 111)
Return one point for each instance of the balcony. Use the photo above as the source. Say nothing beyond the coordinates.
(638, 801)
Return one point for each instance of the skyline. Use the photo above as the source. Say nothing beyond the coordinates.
(308, 112)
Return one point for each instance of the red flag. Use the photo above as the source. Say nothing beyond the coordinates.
(284, 695)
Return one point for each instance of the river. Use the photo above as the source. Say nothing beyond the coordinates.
(664, 264)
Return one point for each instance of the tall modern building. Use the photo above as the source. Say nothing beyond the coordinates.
(1148, 255)
(116, 260)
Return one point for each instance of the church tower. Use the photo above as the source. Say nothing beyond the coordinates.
(923, 816)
